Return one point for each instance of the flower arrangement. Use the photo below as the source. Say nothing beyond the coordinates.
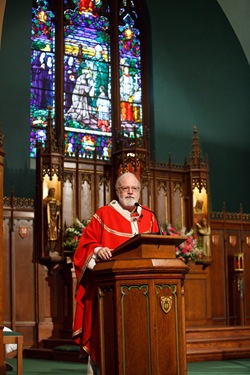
(188, 251)
(73, 234)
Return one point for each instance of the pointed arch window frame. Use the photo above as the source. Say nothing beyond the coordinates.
(115, 12)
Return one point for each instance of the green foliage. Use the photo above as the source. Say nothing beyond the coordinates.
(73, 234)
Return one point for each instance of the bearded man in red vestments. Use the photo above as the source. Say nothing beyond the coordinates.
(110, 226)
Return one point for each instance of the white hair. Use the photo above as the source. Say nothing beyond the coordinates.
(124, 175)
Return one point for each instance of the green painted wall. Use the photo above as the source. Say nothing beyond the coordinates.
(14, 98)
(198, 75)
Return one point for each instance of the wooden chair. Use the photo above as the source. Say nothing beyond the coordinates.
(11, 337)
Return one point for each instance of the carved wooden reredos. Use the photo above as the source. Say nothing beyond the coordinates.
(84, 183)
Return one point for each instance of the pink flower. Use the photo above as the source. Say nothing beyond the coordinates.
(187, 250)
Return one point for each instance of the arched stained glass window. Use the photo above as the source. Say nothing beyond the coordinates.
(42, 75)
(88, 96)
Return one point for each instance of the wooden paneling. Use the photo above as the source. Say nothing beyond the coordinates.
(218, 279)
(197, 295)
(39, 302)
(230, 235)
(246, 250)
(19, 273)
(217, 343)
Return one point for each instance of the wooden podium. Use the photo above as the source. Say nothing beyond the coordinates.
(141, 305)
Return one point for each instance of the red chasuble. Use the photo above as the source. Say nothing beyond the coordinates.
(110, 227)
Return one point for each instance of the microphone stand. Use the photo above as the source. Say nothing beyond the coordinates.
(147, 209)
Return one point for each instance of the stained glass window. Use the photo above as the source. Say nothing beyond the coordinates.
(87, 74)
(42, 75)
(130, 70)
(87, 96)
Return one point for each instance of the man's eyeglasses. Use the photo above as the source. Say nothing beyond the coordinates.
(126, 189)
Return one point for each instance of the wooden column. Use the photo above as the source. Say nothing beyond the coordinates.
(2, 354)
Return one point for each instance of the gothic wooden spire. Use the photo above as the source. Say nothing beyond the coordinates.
(198, 166)
(50, 157)
(196, 160)
(51, 144)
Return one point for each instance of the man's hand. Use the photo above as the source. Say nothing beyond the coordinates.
(104, 253)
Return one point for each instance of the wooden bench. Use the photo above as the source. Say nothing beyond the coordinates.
(11, 337)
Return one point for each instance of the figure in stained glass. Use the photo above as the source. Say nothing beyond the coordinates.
(103, 108)
(127, 91)
(100, 70)
(69, 80)
(42, 80)
(79, 110)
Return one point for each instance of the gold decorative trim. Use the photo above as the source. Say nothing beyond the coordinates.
(166, 303)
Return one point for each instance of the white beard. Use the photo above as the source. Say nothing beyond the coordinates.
(128, 201)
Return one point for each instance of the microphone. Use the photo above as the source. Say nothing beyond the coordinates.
(147, 209)
(135, 214)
